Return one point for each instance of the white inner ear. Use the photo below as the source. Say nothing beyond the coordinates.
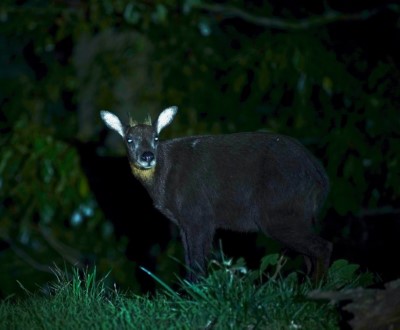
(165, 118)
(112, 122)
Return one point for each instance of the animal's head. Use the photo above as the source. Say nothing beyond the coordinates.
(141, 140)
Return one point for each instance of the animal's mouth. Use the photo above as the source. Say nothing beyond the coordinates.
(144, 165)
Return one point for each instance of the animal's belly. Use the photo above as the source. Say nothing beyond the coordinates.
(238, 219)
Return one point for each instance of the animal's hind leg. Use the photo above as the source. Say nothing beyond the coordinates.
(309, 264)
(322, 261)
(317, 251)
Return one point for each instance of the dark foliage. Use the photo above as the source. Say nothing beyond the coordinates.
(326, 73)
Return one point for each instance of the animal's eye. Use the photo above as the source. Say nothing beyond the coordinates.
(156, 138)
(129, 140)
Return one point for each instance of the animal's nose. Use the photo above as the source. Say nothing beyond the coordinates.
(147, 156)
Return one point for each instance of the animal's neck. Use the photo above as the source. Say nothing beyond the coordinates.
(146, 176)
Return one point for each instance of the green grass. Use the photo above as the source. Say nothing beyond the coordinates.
(231, 297)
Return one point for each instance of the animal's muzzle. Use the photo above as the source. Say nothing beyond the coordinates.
(147, 157)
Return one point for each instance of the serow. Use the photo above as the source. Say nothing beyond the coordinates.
(249, 181)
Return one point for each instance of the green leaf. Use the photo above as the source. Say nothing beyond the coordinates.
(131, 15)
(342, 272)
(269, 260)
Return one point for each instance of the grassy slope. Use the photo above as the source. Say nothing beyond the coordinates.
(232, 297)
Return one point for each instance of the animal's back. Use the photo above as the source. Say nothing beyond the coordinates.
(236, 170)
(247, 153)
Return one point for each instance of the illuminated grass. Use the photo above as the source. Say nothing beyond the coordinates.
(232, 297)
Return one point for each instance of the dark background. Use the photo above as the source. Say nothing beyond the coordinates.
(324, 72)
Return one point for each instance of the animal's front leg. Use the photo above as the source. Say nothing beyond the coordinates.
(197, 244)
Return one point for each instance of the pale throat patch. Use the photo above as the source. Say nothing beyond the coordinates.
(141, 174)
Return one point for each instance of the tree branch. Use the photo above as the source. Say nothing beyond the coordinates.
(71, 255)
(27, 258)
(329, 16)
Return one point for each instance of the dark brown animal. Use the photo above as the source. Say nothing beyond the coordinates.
(241, 182)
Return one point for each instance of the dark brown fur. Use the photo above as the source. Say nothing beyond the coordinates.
(242, 182)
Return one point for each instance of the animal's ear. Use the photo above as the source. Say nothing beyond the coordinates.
(165, 118)
(112, 122)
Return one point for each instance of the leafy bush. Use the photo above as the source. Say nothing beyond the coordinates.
(49, 215)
